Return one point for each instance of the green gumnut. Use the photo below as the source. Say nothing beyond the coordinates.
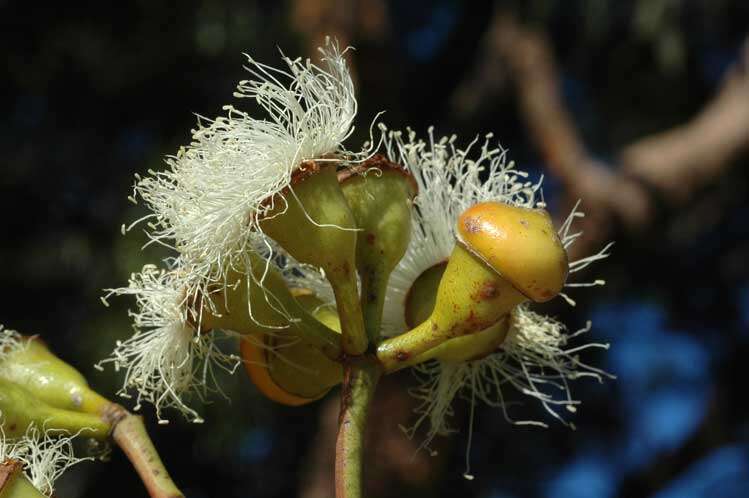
(313, 223)
(379, 194)
(471, 297)
(286, 367)
(258, 302)
(21, 409)
(322, 312)
(303, 369)
(469, 347)
(423, 294)
(419, 306)
(34, 367)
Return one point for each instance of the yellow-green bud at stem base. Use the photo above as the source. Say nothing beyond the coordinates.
(419, 305)
(14, 483)
(250, 306)
(314, 224)
(50, 379)
(379, 194)
(505, 256)
(21, 410)
(297, 372)
(471, 297)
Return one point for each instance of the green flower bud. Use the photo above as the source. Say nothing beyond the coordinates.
(520, 244)
(22, 410)
(32, 365)
(506, 255)
(419, 305)
(380, 199)
(423, 294)
(289, 369)
(258, 302)
(315, 226)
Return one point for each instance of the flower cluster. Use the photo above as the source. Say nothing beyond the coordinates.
(165, 358)
(536, 358)
(207, 206)
(210, 206)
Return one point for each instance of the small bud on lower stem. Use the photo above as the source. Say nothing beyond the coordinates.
(21, 410)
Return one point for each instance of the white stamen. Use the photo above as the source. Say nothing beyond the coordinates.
(166, 360)
(10, 342)
(534, 360)
(44, 458)
(210, 200)
(450, 180)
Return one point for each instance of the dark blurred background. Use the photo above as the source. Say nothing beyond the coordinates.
(640, 108)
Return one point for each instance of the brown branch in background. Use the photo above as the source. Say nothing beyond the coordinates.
(532, 68)
(340, 19)
(317, 19)
(676, 162)
(487, 79)
(604, 194)
(681, 160)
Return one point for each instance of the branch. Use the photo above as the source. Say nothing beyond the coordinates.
(359, 384)
(675, 163)
(131, 436)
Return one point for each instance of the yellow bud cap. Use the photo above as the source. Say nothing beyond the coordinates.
(518, 243)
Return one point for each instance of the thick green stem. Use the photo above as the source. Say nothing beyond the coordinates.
(353, 335)
(373, 288)
(359, 384)
(397, 355)
(130, 435)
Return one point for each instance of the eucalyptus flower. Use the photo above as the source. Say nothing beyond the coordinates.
(239, 169)
(44, 458)
(166, 359)
(450, 181)
(535, 356)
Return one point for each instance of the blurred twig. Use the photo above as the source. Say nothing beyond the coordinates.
(675, 164)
